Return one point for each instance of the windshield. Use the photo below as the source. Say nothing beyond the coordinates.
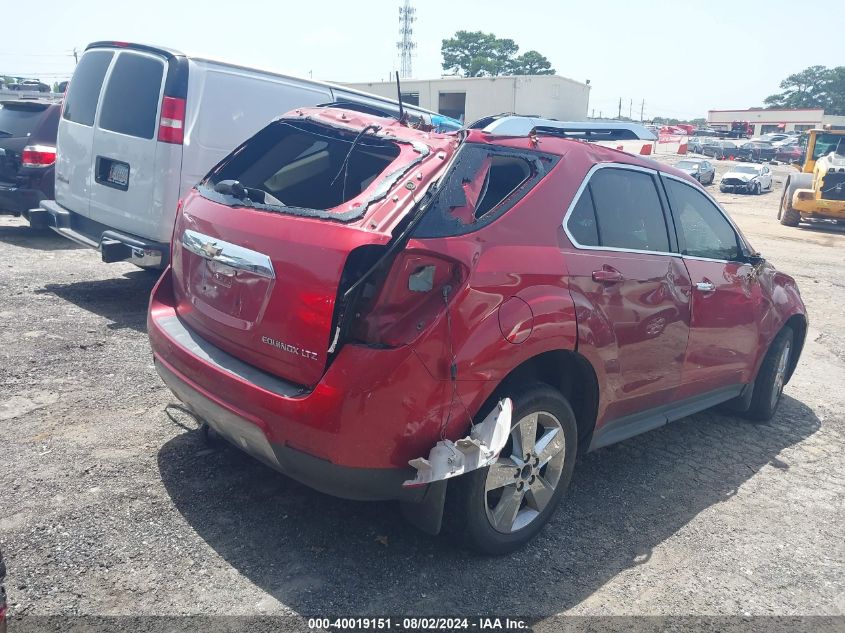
(825, 144)
(687, 164)
(19, 121)
(745, 169)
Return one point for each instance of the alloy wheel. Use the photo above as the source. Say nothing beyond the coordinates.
(522, 482)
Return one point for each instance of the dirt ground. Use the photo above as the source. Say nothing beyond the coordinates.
(110, 503)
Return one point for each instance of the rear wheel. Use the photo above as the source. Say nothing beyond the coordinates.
(768, 386)
(500, 508)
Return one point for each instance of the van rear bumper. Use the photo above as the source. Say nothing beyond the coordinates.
(114, 246)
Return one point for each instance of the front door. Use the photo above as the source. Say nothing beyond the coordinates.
(727, 303)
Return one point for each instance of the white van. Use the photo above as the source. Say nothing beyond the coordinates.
(142, 124)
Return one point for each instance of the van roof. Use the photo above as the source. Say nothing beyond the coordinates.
(171, 53)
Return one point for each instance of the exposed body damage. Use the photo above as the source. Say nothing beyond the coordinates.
(479, 449)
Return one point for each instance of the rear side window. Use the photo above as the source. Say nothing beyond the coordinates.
(84, 92)
(20, 120)
(703, 230)
(482, 184)
(131, 101)
(627, 209)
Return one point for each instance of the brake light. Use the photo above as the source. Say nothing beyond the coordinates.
(171, 126)
(410, 298)
(38, 156)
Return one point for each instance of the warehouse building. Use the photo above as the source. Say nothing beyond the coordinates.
(470, 98)
(766, 121)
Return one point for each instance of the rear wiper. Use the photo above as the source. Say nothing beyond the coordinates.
(5, 133)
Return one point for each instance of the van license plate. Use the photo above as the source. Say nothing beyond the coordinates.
(119, 174)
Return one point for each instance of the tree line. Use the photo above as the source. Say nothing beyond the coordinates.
(813, 87)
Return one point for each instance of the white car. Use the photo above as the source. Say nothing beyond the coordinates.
(747, 178)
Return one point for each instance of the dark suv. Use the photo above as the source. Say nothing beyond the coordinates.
(384, 312)
(28, 129)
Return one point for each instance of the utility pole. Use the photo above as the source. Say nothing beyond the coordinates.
(406, 46)
(593, 114)
(630, 109)
(75, 56)
(619, 116)
(642, 110)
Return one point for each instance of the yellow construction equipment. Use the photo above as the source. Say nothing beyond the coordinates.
(818, 192)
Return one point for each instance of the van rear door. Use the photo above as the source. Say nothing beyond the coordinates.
(125, 162)
(76, 131)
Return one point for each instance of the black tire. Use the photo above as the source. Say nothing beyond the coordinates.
(772, 376)
(757, 189)
(467, 515)
(786, 214)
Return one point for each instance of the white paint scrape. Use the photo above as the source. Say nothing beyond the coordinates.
(481, 448)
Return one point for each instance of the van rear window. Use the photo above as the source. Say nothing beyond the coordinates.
(301, 166)
(84, 91)
(131, 101)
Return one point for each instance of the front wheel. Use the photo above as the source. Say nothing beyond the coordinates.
(500, 508)
(771, 378)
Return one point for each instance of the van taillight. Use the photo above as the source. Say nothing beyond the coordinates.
(38, 156)
(414, 293)
(171, 127)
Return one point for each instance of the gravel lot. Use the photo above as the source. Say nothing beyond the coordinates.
(110, 503)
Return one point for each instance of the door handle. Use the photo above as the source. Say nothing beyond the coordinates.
(705, 286)
(607, 276)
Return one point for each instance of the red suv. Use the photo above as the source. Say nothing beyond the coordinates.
(348, 294)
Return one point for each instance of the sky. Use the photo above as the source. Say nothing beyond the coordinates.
(680, 57)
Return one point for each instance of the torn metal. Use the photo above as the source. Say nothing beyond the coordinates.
(479, 449)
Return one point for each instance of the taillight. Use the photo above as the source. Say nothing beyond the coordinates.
(38, 156)
(171, 126)
(413, 294)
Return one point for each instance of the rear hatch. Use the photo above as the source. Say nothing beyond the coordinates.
(20, 122)
(267, 242)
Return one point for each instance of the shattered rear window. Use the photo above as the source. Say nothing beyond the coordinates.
(483, 183)
(305, 168)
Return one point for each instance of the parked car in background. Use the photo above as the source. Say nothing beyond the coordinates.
(695, 144)
(755, 152)
(719, 149)
(772, 137)
(789, 153)
(141, 125)
(702, 170)
(349, 334)
(30, 84)
(705, 131)
(27, 153)
(747, 178)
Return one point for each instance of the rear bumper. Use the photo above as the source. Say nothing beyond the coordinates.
(350, 436)
(18, 200)
(114, 246)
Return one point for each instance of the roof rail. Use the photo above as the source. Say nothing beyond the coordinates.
(586, 130)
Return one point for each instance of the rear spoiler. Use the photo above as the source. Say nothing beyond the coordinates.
(515, 125)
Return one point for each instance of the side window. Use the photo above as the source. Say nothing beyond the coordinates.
(130, 104)
(704, 231)
(84, 91)
(582, 221)
(628, 210)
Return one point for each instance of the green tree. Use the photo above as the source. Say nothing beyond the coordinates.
(813, 87)
(531, 63)
(479, 54)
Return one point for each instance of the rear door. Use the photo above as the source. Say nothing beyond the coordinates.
(637, 289)
(123, 161)
(76, 131)
(727, 303)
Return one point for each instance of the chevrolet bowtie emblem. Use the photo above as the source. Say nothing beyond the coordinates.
(211, 249)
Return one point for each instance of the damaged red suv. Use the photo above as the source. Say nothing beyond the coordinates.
(381, 312)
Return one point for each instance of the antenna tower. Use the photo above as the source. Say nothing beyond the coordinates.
(406, 45)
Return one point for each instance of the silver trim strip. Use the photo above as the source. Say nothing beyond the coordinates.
(524, 126)
(227, 253)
